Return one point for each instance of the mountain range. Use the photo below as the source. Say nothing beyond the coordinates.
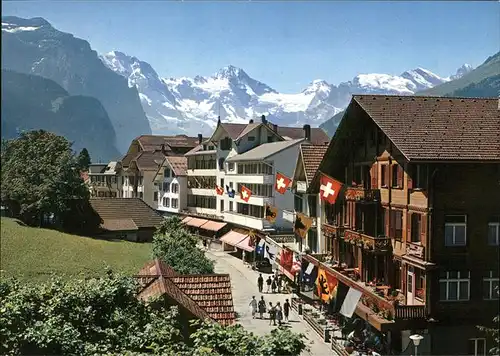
(122, 90)
(192, 105)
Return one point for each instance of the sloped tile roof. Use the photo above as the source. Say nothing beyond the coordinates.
(312, 155)
(154, 142)
(134, 209)
(318, 136)
(148, 160)
(210, 293)
(263, 151)
(437, 128)
(178, 164)
(234, 130)
(119, 225)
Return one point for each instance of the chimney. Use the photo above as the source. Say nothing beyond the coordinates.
(200, 138)
(275, 128)
(251, 121)
(263, 117)
(218, 121)
(307, 132)
(163, 149)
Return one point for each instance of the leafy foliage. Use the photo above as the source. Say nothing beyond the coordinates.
(103, 316)
(493, 332)
(177, 247)
(214, 339)
(84, 159)
(40, 176)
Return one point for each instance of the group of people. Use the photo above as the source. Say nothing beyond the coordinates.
(276, 312)
(273, 284)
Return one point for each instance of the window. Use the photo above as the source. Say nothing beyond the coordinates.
(222, 205)
(231, 185)
(395, 176)
(383, 175)
(297, 203)
(230, 166)
(231, 206)
(222, 182)
(490, 286)
(175, 188)
(357, 175)
(312, 206)
(166, 202)
(269, 138)
(251, 138)
(255, 168)
(251, 210)
(201, 182)
(396, 224)
(259, 190)
(201, 201)
(419, 176)
(175, 203)
(477, 347)
(455, 230)
(141, 195)
(221, 164)
(155, 196)
(202, 162)
(454, 286)
(166, 187)
(225, 144)
(416, 220)
(166, 172)
(494, 232)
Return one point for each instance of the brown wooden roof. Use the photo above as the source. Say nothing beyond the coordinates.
(312, 155)
(154, 142)
(134, 209)
(205, 296)
(119, 225)
(437, 128)
(148, 160)
(178, 164)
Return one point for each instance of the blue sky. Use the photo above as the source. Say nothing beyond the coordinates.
(284, 44)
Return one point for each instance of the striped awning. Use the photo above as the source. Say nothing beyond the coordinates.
(195, 222)
(233, 238)
(245, 244)
(213, 225)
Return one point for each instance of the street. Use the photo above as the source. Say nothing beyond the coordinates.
(244, 286)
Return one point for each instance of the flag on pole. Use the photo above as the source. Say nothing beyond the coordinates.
(271, 213)
(219, 190)
(302, 224)
(230, 191)
(282, 183)
(329, 188)
(270, 252)
(245, 193)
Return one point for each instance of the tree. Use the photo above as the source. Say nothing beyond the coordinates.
(177, 247)
(40, 177)
(103, 316)
(84, 159)
(493, 332)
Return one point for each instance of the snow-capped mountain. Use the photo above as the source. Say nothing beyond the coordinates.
(192, 105)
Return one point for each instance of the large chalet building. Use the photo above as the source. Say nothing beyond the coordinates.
(419, 215)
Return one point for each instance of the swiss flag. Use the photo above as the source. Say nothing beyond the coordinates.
(245, 193)
(282, 183)
(219, 190)
(329, 188)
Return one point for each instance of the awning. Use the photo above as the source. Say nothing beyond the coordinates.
(213, 225)
(195, 222)
(245, 244)
(186, 219)
(232, 238)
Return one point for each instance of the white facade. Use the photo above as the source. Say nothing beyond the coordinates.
(172, 188)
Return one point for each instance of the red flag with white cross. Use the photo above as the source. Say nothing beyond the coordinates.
(219, 190)
(282, 183)
(329, 188)
(245, 193)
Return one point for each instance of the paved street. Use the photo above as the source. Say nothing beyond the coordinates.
(244, 285)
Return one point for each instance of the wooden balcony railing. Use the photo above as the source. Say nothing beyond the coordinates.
(381, 243)
(384, 308)
(415, 250)
(332, 231)
(362, 194)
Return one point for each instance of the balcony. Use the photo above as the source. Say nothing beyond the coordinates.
(332, 231)
(415, 250)
(244, 220)
(362, 194)
(377, 305)
(370, 243)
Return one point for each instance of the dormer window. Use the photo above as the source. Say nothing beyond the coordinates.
(204, 147)
(225, 144)
(251, 138)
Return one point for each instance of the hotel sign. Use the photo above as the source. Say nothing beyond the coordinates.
(301, 187)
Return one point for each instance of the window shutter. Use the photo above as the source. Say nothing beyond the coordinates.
(388, 170)
(373, 175)
(387, 222)
(400, 177)
(409, 175)
(423, 229)
(353, 215)
(408, 227)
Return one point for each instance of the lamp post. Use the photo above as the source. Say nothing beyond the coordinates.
(416, 338)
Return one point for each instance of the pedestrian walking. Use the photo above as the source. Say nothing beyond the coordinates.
(268, 282)
(273, 285)
(260, 282)
(253, 305)
(286, 309)
(278, 284)
(279, 313)
(272, 314)
(262, 307)
(205, 244)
